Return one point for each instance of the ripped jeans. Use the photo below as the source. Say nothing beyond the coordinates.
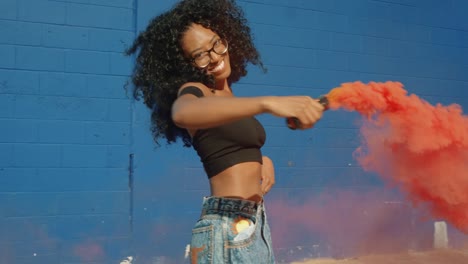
(231, 231)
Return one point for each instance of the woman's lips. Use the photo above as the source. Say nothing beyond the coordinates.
(218, 68)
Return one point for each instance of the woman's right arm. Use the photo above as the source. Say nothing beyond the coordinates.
(191, 112)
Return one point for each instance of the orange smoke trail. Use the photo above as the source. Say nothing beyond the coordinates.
(421, 148)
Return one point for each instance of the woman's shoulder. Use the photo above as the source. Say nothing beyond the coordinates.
(194, 85)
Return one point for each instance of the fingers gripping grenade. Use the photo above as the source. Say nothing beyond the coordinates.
(294, 123)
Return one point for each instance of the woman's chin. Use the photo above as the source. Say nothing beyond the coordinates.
(221, 76)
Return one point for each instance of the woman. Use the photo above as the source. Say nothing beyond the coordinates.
(187, 60)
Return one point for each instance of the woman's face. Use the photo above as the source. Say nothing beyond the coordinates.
(204, 46)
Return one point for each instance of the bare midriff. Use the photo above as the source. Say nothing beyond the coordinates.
(241, 181)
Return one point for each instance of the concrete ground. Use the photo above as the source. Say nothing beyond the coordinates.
(448, 256)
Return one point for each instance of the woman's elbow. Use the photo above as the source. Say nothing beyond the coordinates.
(179, 119)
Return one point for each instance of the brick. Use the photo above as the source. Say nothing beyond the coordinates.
(37, 259)
(19, 82)
(418, 33)
(8, 9)
(27, 33)
(73, 227)
(332, 60)
(8, 31)
(84, 156)
(104, 86)
(447, 36)
(36, 155)
(120, 64)
(407, 13)
(118, 156)
(60, 132)
(374, 64)
(110, 40)
(294, 37)
(310, 157)
(87, 62)
(38, 58)
(31, 204)
(18, 131)
(63, 84)
(66, 108)
(120, 247)
(358, 8)
(331, 22)
(280, 15)
(375, 46)
(62, 36)
(337, 138)
(6, 159)
(99, 16)
(319, 5)
(17, 179)
(42, 11)
(318, 177)
(120, 110)
(192, 176)
(404, 49)
(362, 26)
(83, 250)
(86, 203)
(452, 88)
(7, 105)
(80, 179)
(28, 228)
(7, 53)
(116, 3)
(420, 86)
(289, 56)
(345, 42)
(107, 133)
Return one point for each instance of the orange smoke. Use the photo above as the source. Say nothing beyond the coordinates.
(421, 148)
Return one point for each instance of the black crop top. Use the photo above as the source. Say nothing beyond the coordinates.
(224, 146)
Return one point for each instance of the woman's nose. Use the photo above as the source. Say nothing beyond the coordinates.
(214, 56)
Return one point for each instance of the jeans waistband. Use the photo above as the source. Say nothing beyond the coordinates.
(220, 205)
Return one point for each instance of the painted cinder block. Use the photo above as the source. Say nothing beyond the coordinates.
(88, 203)
(120, 110)
(61, 132)
(79, 61)
(64, 36)
(53, 12)
(21, 33)
(84, 156)
(7, 53)
(19, 82)
(96, 16)
(63, 84)
(21, 131)
(78, 179)
(109, 40)
(8, 9)
(107, 133)
(39, 58)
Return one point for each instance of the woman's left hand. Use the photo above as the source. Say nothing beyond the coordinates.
(268, 175)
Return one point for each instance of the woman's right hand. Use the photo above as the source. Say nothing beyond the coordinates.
(306, 109)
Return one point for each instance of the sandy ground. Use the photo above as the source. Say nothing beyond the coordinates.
(432, 257)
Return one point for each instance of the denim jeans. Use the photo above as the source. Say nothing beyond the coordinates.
(231, 231)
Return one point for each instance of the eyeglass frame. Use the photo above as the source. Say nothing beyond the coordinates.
(192, 60)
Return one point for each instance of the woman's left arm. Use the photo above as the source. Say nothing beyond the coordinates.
(268, 175)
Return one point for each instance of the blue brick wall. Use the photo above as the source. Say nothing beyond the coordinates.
(68, 127)
(66, 131)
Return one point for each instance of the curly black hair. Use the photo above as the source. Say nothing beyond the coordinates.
(161, 68)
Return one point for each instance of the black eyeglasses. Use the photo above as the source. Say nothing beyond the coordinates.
(203, 59)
